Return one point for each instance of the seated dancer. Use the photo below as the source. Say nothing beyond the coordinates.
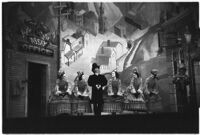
(151, 85)
(81, 87)
(135, 87)
(114, 85)
(151, 92)
(113, 99)
(60, 99)
(82, 95)
(134, 99)
(62, 87)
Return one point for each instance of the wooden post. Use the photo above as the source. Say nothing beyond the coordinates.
(59, 7)
(58, 37)
(174, 86)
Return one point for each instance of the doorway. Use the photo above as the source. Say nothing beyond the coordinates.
(36, 89)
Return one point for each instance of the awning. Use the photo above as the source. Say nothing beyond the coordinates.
(69, 54)
(78, 48)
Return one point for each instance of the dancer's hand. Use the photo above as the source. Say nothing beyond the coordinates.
(69, 91)
(140, 91)
(133, 91)
(58, 92)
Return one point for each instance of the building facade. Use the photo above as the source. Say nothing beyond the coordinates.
(179, 41)
(108, 55)
(73, 49)
(30, 65)
(120, 30)
(78, 17)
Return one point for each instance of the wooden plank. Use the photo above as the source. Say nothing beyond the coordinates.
(132, 22)
(60, 6)
(63, 14)
(176, 19)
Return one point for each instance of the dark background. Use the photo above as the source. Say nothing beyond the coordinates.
(148, 123)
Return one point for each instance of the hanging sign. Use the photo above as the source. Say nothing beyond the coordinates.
(36, 49)
(38, 41)
(35, 39)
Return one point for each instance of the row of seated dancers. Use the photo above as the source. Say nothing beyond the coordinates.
(97, 87)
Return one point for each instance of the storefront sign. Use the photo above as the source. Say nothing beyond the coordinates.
(37, 41)
(34, 39)
(36, 49)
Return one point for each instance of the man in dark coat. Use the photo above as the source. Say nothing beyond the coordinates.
(97, 82)
(181, 80)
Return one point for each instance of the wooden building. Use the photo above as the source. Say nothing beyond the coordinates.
(30, 66)
(180, 50)
(108, 55)
(73, 49)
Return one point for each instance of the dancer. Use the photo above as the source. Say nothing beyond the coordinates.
(152, 85)
(62, 86)
(152, 92)
(135, 86)
(113, 99)
(81, 87)
(114, 85)
(60, 99)
(82, 94)
(134, 99)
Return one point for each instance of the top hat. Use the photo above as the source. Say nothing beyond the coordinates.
(94, 65)
(154, 71)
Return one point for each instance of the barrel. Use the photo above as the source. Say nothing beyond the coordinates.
(155, 106)
(83, 106)
(59, 107)
(74, 106)
(111, 107)
(135, 106)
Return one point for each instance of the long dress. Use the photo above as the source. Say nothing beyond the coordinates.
(83, 100)
(60, 103)
(113, 99)
(134, 99)
(152, 93)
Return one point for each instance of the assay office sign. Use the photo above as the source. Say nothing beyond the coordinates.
(35, 48)
(37, 41)
(34, 43)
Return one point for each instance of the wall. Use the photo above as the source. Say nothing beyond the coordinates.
(166, 90)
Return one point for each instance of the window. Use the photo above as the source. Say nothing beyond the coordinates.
(86, 42)
(181, 53)
(175, 61)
